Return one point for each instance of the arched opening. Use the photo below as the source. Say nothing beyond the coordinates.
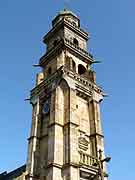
(55, 42)
(75, 41)
(49, 72)
(81, 69)
(74, 23)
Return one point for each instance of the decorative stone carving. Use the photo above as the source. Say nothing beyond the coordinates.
(83, 143)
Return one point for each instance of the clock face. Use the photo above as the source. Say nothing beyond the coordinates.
(46, 107)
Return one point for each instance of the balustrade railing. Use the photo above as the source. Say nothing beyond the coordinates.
(87, 160)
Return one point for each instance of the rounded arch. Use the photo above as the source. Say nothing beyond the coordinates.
(55, 42)
(81, 69)
(76, 42)
(49, 71)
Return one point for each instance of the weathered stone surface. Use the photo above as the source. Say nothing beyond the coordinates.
(64, 143)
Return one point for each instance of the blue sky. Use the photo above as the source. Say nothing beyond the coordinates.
(112, 26)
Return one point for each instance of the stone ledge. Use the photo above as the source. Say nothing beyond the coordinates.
(50, 165)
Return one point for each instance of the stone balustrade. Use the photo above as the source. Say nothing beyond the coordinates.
(87, 160)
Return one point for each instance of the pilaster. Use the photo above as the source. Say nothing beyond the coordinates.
(32, 161)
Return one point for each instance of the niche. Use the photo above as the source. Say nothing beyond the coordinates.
(55, 42)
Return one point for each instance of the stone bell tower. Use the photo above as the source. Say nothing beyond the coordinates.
(66, 133)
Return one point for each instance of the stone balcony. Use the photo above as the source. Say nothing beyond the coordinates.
(69, 44)
(87, 160)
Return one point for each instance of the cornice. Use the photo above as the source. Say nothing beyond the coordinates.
(82, 84)
(67, 165)
(47, 85)
(88, 58)
(51, 53)
(96, 134)
(66, 44)
(86, 171)
(76, 29)
(52, 164)
(66, 23)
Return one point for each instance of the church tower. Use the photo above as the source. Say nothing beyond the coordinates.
(66, 135)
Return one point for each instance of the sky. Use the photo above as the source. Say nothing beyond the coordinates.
(111, 26)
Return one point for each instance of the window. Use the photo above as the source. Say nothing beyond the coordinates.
(81, 69)
(49, 71)
(55, 42)
(74, 23)
(75, 41)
